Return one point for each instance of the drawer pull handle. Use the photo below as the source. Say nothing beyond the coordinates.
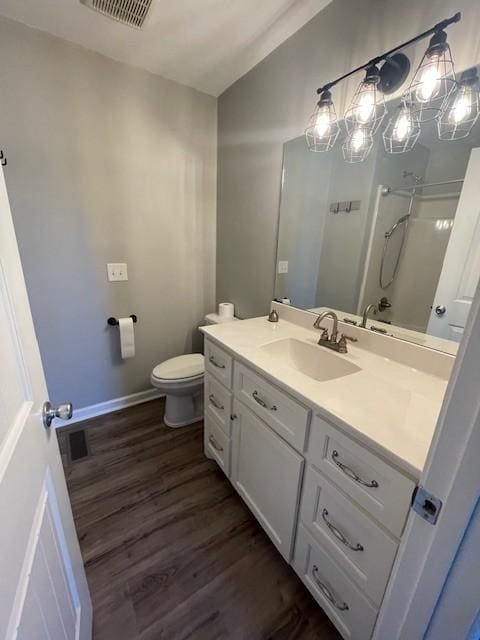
(215, 364)
(215, 444)
(339, 535)
(341, 606)
(215, 403)
(262, 403)
(372, 484)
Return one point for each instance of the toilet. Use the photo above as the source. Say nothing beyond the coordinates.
(181, 380)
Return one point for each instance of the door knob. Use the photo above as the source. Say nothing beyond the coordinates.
(440, 309)
(63, 411)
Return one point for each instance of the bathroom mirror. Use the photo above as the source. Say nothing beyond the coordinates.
(397, 231)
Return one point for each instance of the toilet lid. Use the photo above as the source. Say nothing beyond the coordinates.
(187, 366)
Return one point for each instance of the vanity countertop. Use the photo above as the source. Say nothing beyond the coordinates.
(391, 407)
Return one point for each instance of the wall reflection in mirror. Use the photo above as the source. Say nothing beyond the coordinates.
(398, 235)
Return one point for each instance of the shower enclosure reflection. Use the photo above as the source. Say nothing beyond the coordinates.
(407, 251)
(401, 232)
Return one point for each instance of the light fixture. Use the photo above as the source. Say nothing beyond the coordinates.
(433, 79)
(433, 93)
(402, 130)
(461, 108)
(358, 144)
(367, 108)
(323, 128)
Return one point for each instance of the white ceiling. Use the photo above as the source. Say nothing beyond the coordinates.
(206, 44)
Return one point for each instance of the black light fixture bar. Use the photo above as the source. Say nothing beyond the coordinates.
(440, 26)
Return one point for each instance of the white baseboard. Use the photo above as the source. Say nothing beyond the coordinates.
(84, 413)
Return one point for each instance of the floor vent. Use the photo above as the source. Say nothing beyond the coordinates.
(129, 12)
(77, 445)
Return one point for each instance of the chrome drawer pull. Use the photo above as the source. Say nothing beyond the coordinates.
(338, 534)
(327, 593)
(372, 484)
(262, 403)
(216, 404)
(215, 364)
(215, 444)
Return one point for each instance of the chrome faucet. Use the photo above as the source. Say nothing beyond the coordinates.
(366, 311)
(330, 341)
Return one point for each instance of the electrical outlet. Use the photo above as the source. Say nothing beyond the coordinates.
(283, 266)
(117, 271)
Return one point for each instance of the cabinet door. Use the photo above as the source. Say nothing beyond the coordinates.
(267, 473)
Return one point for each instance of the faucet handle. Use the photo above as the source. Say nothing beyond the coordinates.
(324, 335)
(342, 344)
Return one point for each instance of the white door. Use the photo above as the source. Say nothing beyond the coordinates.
(267, 473)
(43, 588)
(461, 266)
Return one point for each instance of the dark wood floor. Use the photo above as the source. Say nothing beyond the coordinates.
(170, 549)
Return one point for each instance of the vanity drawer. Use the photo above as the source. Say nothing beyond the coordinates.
(352, 539)
(285, 415)
(219, 363)
(218, 402)
(217, 444)
(349, 610)
(372, 483)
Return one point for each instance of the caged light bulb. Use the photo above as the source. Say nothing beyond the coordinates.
(323, 129)
(462, 107)
(365, 110)
(403, 126)
(402, 130)
(430, 80)
(358, 139)
(367, 106)
(323, 123)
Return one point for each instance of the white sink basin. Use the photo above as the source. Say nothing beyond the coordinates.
(310, 359)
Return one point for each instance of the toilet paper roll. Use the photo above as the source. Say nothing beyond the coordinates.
(127, 337)
(226, 310)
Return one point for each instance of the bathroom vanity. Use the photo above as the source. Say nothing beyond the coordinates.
(324, 448)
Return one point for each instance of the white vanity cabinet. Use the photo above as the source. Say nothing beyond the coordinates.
(332, 507)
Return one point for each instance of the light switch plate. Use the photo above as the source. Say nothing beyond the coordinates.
(117, 271)
(283, 266)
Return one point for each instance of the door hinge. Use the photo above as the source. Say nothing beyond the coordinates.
(426, 504)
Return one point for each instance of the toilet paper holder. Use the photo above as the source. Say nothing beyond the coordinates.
(114, 322)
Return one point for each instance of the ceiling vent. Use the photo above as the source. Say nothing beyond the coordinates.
(129, 12)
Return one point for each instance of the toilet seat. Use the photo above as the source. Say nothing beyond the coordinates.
(181, 368)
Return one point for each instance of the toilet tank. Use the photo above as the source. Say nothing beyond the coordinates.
(214, 318)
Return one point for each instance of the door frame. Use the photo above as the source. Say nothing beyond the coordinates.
(427, 551)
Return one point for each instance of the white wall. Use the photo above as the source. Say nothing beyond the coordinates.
(106, 163)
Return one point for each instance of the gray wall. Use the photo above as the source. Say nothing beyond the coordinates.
(271, 104)
(106, 163)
